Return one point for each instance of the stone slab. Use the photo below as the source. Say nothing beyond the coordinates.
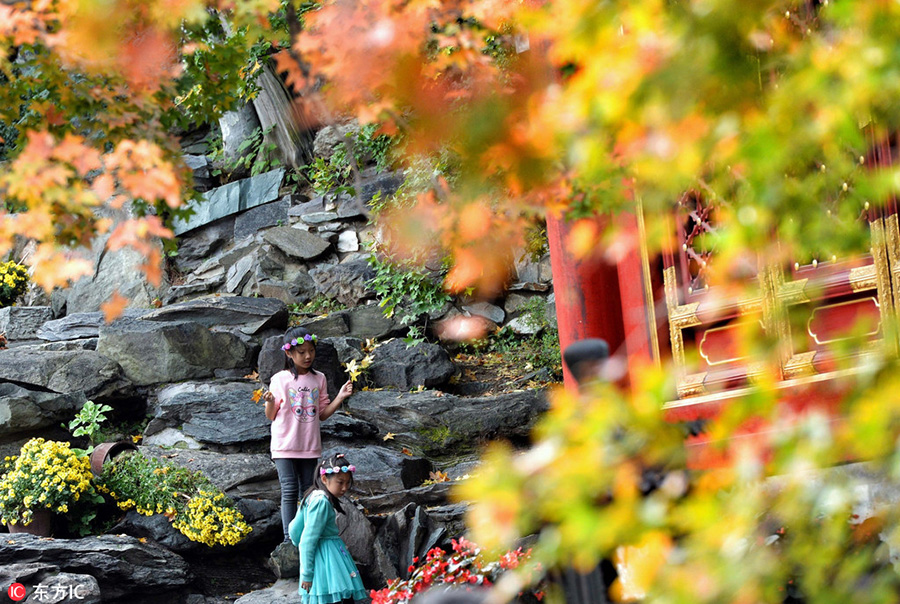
(233, 198)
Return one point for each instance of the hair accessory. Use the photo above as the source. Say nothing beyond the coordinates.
(296, 342)
(337, 470)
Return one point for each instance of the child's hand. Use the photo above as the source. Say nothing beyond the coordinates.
(305, 586)
(268, 396)
(346, 389)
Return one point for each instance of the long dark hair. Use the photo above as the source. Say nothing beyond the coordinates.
(335, 461)
(296, 333)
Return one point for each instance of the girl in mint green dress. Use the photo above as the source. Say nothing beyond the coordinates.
(328, 574)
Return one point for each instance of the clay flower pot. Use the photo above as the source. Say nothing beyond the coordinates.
(107, 451)
(40, 525)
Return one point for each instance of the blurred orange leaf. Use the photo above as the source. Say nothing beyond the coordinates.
(113, 308)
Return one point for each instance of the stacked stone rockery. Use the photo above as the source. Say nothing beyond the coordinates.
(185, 367)
(180, 360)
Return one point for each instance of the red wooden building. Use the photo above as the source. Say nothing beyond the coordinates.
(822, 319)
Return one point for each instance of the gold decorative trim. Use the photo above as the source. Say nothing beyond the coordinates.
(757, 370)
(692, 385)
(648, 284)
(892, 240)
(812, 315)
(883, 278)
(750, 306)
(800, 365)
(794, 292)
(775, 320)
(671, 287)
(738, 393)
(685, 316)
(862, 278)
(703, 341)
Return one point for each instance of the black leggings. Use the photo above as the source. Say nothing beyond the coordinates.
(295, 476)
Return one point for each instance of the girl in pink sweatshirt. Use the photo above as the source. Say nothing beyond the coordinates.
(297, 400)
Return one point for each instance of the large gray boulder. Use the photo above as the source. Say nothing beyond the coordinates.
(201, 243)
(23, 322)
(380, 469)
(344, 427)
(296, 243)
(283, 591)
(218, 413)
(347, 282)
(436, 494)
(373, 182)
(251, 314)
(486, 310)
(359, 536)
(435, 423)
(115, 272)
(332, 325)
(238, 128)
(23, 410)
(226, 471)
(123, 566)
(248, 223)
(368, 321)
(79, 372)
(333, 136)
(531, 275)
(284, 561)
(157, 352)
(397, 365)
(80, 325)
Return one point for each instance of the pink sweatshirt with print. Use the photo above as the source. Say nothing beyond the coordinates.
(295, 429)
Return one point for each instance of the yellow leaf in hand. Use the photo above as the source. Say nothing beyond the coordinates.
(257, 394)
(353, 370)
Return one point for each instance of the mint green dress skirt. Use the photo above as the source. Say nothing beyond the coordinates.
(324, 559)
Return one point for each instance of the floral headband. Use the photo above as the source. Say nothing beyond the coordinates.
(337, 470)
(296, 342)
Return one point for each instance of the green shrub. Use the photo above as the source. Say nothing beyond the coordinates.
(196, 507)
(407, 290)
(335, 174)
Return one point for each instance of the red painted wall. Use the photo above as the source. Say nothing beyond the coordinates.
(588, 302)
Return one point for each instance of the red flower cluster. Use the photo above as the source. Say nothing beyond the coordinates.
(465, 566)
